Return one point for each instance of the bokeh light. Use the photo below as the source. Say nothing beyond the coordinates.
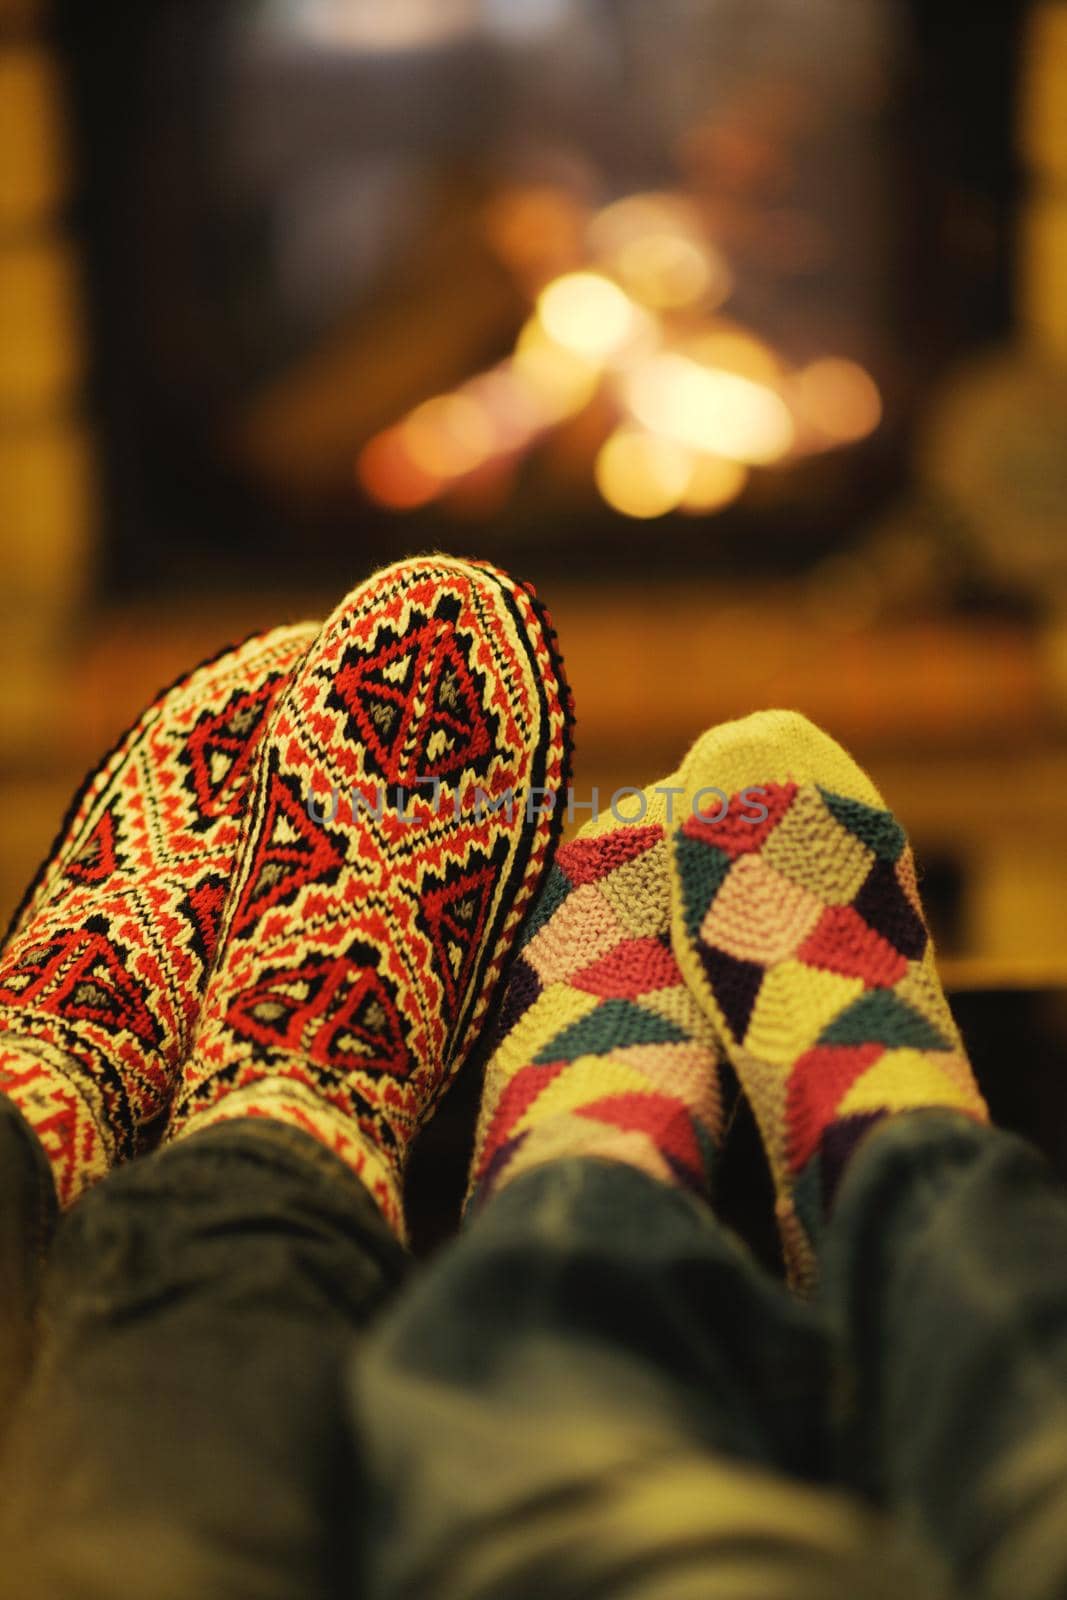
(448, 435)
(558, 382)
(714, 483)
(710, 410)
(642, 474)
(388, 474)
(588, 314)
(839, 399)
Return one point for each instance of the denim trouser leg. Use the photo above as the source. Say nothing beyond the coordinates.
(594, 1391)
(28, 1213)
(946, 1272)
(184, 1429)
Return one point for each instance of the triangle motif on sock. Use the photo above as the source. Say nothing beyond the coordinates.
(202, 909)
(453, 735)
(291, 850)
(878, 830)
(634, 967)
(219, 749)
(741, 829)
(381, 694)
(612, 1025)
(375, 692)
(843, 942)
(702, 869)
(275, 1011)
(735, 985)
(94, 984)
(97, 860)
(454, 915)
(818, 1082)
(882, 1017)
(365, 1032)
(884, 906)
(589, 860)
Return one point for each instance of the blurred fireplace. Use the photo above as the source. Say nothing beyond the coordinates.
(307, 217)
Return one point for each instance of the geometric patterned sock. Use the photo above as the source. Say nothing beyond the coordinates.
(397, 835)
(797, 922)
(106, 960)
(602, 1050)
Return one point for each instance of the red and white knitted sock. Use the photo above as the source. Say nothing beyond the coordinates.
(398, 834)
(105, 965)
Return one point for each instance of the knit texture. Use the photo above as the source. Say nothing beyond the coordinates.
(797, 922)
(601, 1049)
(399, 830)
(106, 961)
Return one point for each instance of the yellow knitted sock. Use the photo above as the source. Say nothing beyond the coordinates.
(797, 923)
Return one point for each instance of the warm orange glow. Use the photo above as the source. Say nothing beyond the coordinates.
(734, 349)
(536, 230)
(510, 404)
(840, 399)
(710, 410)
(448, 435)
(713, 483)
(664, 270)
(642, 474)
(588, 315)
(389, 475)
(655, 244)
(557, 382)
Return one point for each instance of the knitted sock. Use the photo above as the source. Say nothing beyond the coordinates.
(386, 871)
(797, 923)
(602, 1050)
(106, 959)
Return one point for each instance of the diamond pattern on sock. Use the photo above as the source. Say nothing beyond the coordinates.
(809, 954)
(601, 1050)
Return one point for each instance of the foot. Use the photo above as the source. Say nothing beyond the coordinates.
(378, 893)
(797, 923)
(106, 961)
(602, 1050)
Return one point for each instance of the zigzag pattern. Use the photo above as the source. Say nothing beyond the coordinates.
(601, 1049)
(362, 943)
(803, 937)
(107, 960)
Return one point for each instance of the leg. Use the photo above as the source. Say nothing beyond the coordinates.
(798, 925)
(595, 1391)
(183, 1431)
(946, 1269)
(27, 1220)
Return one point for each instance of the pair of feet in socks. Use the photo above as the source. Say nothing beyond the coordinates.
(292, 888)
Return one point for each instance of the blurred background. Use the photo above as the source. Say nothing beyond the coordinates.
(739, 326)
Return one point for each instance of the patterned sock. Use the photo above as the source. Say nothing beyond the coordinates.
(797, 923)
(360, 948)
(106, 960)
(601, 1050)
